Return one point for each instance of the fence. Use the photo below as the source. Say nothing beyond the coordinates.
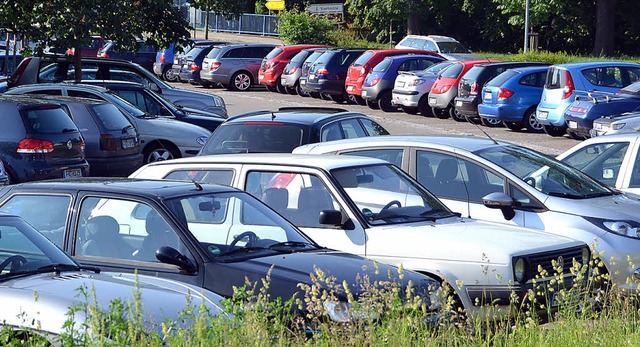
(245, 24)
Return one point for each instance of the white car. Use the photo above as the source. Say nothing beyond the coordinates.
(411, 89)
(448, 47)
(613, 160)
(369, 207)
(616, 124)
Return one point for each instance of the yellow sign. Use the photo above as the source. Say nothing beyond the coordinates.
(275, 5)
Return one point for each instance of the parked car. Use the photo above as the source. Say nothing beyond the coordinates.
(49, 69)
(613, 160)
(144, 55)
(210, 236)
(156, 105)
(445, 88)
(360, 67)
(289, 79)
(192, 65)
(40, 286)
(585, 109)
(411, 89)
(91, 49)
(4, 176)
(160, 138)
(565, 81)
(471, 84)
(329, 72)
(617, 124)
(377, 86)
(112, 147)
(304, 73)
(273, 65)
(39, 141)
(512, 97)
(235, 66)
(505, 183)
(448, 47)
(168, 62)
(369, 207)
(287, 128)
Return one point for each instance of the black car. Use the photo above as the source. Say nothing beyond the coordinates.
(287, 128)
(53, 69)
(39, 141)
(470, 86)
(192, 64)
(329, 72)
(156, 105)
(208, 235)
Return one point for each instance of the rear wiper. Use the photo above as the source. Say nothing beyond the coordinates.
(68, 130)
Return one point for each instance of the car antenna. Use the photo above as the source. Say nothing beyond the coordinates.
(198, 186)
(479, 128)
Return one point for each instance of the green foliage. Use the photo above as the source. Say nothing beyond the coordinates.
(300, 27)
(347, 39)
(551, 57)
(261, 7)
(372, 18)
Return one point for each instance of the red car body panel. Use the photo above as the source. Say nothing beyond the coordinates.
(466, 66)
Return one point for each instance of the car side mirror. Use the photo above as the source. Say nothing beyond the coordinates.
(154, 87)
(170, 255)
(330, 217)
(607, 173)
(502, 201)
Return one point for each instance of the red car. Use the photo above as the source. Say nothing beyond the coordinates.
(273, 65)
(359, 69)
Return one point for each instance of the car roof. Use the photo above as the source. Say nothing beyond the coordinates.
(321, 161)
(24, 100)
(511, 63)
(45, 86)
(69, 99)
(298, 115)
(434, 37)
(528, 69)
(132, 186)
(579, 65)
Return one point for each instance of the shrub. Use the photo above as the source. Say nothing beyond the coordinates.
(347, 39)
(300, 27)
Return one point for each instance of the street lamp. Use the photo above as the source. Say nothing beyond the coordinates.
(526, 25)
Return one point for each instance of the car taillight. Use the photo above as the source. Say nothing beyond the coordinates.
(271, 65)
(363, 71)
(281, 180)
(194, 66)
(375, 81)
(322, 71)
(214, 66)
(108, 142)
(577, 109)
(34, 146)
(474, 88)
(82, 144)
(504, 93)
(568, 85)
(162, 58)
(292, 71)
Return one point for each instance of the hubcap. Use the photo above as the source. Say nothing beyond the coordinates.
(159, 154)
(243, 82)
(533, 122)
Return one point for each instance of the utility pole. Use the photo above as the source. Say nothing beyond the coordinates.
(526, 26)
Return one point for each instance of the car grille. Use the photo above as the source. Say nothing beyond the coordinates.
(70, 276)
(545, 261)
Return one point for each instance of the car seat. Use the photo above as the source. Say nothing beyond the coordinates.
(311, 201)
(104, 240)
(159, 234)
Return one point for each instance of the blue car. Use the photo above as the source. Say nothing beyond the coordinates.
(377, 86)
(512, 97)
(582, 112)
(566, 81)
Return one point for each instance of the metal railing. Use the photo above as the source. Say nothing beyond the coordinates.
(245, 24)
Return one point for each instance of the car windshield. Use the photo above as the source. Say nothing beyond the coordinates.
(386, 195)
(232, 224)
(452, 47)
(545, 174)
(255, 137)
(24, 251)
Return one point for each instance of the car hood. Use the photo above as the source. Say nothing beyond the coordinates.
(203, 113)
(169, 126)
(288, 270)
(45, 299)
(191, 98)
(616, 207)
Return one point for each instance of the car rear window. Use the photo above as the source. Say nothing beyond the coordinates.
(255, 137)
(473, 73)
(274, 53)
(325, 57)
(314, 56)
(300, 57)
(453, 71)
(437, 67)
(382, 66)
(111, 117)
(501, 78)
(195, 51)
(555, 78)
(214, 52)
(47, 119)
(363, 58)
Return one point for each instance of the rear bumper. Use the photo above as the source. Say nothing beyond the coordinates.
(269, 78)
(579, 126)
(158, 68)
(37, 171)
(442, 100)
(335, 87)
(505, 113)
(115, 166)
(468, 107)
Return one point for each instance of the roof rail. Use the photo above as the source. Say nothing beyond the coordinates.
(312, 109)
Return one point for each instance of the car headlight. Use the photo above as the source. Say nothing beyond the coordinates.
(520, 270)
(201, 140)
(218, 101)
(343, 312)
(417, 82)
(617, 126)
(622, 228)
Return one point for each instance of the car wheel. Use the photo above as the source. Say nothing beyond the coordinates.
(531, 122)
(336, 98)
(456, 115)
(303, 93)
(159, 152)
(409, 110)
(315, 95)
(575, 136)
(241, 81)
(372, 104)
(169, 75)
(351, 99)
(290, 90)
(384, 102)
(440, 113)
(359, 100)
(280, 88)
(515, 126)
(325, 96)
(554, 131)
(491, 122)
(423, 106)
(271, 89)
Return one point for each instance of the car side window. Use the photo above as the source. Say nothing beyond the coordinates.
(523, 200)
(124, 73)
(601, 161)
(604, 76)
(331, 132)
(137, 99)
(409, 65)
(528, 80)
(635, 173)
(224, 177)
(430, 46)
(373, 128)
(630, 75)
(46, 92)
(351, 129)
(299, 197)
(122, 229)
(394, 155)
(234, 53)
(46, 213)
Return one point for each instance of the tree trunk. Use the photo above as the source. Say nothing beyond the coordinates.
(77, 62)
(605, 27)
(414, 26)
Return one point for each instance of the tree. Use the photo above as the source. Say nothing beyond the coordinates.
(226, 7)
(301, 27)
(605, 27)
(374, 17)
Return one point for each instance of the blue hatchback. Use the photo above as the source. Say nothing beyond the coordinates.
(512, 97)
(565, 81)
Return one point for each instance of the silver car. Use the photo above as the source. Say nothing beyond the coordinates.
(160, 138)
(411, 89)
(506, 183)
(235, 66)
(292, 72)
(40, 283)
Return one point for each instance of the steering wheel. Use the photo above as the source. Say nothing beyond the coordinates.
(250, 234)
(530, 181)
(391, 203)
(13, 260)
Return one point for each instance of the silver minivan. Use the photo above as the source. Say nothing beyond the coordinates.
(235, 66)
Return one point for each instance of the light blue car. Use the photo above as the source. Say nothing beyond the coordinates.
(565, 81)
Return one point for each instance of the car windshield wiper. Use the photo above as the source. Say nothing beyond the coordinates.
(57, 268)
(126, 128)
(243, 250)
(68, 130)
(567, 195)
(290, 246)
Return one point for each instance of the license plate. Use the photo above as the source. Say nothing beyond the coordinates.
(260, 77)
(458, 103)
(185, 66)
(543, 114)
(364, 93)
(312, 76)
(128, 143)
(349, 88)
(303, 81)
(400, 84)
(432, 101)
(487, 95)
(72, 173)
(573, 124)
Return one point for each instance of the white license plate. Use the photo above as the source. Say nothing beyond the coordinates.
(303, 81)
(573, 124)
(72, 173)
(364, 93)
(400, 84)
(128, 143)
(185, 67)
(349, 88)
(311, 76)
(487, 96)
(543, 114)
(458, 103)
(432, 101)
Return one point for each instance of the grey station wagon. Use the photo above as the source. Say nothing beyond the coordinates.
(234, 66)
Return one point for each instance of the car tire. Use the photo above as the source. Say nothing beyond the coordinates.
(372, 104)
(491, 122)
(531, 122)
(554, 131)
(440, 113)
(423, 106)
(384, 102)
(301, 92)
(281, 89)
(271, 89)
(514, 126)
(359, 100)
(336, 98)
(159, 152)
(315, 95)
(325, 96)
(169, 75)
(575, 136)
(456, 115)
(409, 110)
(241, 81)
(290, 90)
